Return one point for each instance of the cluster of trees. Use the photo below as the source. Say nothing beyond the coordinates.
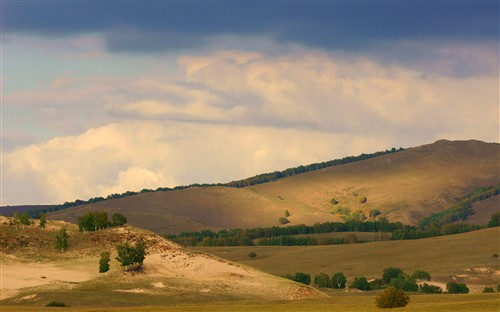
(98, 220)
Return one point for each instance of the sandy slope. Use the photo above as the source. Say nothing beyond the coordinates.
(168, 269)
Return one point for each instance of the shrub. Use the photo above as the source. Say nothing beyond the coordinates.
(252, 255)
(360, 283)
(287, 213)
(104, 262)
(333, 201)
(56, 304)
(430, 289)
(487, 290)
(62, 240)
(362, 199)
(495, 220)
(495, 255)
(457, 288)
(392, 298)
(498, 288)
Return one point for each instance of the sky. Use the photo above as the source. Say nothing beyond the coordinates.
(103, 97)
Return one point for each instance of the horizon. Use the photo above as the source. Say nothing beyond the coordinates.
(107, 97)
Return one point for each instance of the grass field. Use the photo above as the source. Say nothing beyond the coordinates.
(341, 303)
(464, 257)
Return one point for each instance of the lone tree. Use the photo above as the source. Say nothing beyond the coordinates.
(392, 298)
(457, 288)
(104, 262)
(129, 255)
(338, 280)
(62, 240)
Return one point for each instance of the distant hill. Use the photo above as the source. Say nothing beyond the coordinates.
(405, 186)
(9, 210)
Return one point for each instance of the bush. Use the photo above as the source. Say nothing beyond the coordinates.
(333, 201)
(487, 290)
(362, 199)
(392, 298)
(498, 288)
(457, 288)
(495, 220)
(104, 262)
(252, 255)
(56, 304)
(360, 283)
(62, 240)
(430, 289)
(404, 282)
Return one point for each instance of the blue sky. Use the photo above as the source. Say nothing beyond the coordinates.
(108, 96)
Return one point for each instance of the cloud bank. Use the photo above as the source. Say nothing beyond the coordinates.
(229, 115)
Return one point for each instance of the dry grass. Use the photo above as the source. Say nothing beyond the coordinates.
(341, 303)
(405, 186)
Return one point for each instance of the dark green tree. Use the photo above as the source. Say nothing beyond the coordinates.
(338, 280)
(457, 288)
(104, 262)
(283, 220)
(303, 278)
(62, 239)
(360, 283)
(392, 298)
(487, 290)
(129, 255)
(118, 219)
(322, 280)
(391, 273)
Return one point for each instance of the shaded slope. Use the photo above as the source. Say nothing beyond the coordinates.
(405, 186)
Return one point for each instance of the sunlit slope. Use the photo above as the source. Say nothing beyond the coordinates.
(404, 186)
(193, 209)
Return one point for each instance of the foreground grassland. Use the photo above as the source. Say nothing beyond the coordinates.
(338, 302)
(466, 258)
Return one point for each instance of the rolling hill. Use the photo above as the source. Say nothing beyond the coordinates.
(405, 186)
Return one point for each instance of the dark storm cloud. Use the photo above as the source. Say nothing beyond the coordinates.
(164, 25)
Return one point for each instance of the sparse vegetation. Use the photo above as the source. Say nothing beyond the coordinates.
(334, 201)
(392, 298)
(252, 254)
(362, 199)
(43, 220)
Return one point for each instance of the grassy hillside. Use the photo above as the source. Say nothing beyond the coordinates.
(464, 257)
(405, 186)
(483, 210)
